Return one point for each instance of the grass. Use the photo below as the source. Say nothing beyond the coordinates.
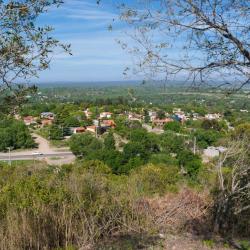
(55, 158)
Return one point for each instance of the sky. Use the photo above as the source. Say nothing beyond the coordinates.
(96, 54)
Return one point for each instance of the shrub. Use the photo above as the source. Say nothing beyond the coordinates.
(152, 179)
(68, 206)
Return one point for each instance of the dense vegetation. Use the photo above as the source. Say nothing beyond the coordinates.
(14, 134)
(75, 205)
(113, 189)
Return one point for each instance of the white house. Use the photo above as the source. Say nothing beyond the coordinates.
(107, 115)
(213, 116)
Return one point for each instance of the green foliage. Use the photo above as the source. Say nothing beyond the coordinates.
(213, 124)
(152, 179)
(14, 134)
(71, 121)
(55, 132)
(148, 140)
(38, 206)
(173, 126)
(109, 141)
(25, 50)
(83, 144)
(161, 114)
(163, 158)
(114, 159)
(245, 245)
(190, 162)
(171, 143)
(146, 116)
(242, 130)
(207, 138)
(135, 149)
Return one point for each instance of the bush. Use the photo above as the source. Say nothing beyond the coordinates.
(152, 179)
(82, 144)
(68, 206)
(173, 126)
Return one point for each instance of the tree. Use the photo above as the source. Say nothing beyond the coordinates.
(25, 48)
(14, 134)
(71, 121)
(55, 132)
(135, 149)
(206, 138)
(82, 144)
(189, 162)
(211, 37)
(146, 116)
(161, 114)
(213, 124)
(232, 199)
(109, 141)
(171, 143)
(173, 126)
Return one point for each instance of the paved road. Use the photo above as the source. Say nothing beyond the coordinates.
(64, 155)
(15, 157)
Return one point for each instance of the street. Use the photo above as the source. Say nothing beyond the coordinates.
(51, 155)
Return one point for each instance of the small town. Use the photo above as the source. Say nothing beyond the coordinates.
(124, 125)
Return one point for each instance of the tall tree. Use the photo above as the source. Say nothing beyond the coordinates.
(204, 40)
(25, 47)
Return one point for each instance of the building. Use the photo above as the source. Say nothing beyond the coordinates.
(91, 129)
(213, 116)
(152, 115)
(135, 117)
(78, 130)
(161, 122)
(48, 115)
(177, 110)
(29, 120)
(107, 115)
(108, 123)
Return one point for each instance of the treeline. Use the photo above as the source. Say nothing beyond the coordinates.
(141, 148)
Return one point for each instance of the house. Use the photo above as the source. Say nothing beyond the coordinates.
(135, 117)
(48, 115)
(177, 110)
(161, 122)
(29, 120)
(213, 116)
(46, 122)
(244, 110)
(152, 115)
(91, 129)
(107, 115)
(180, 117)
(78, 130)
(108, 123)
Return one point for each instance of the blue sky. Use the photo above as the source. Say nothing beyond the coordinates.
(96, 54)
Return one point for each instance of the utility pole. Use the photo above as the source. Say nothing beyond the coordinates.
(9, 148)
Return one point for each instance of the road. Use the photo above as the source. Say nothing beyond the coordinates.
(57, 156)
(17, 157)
